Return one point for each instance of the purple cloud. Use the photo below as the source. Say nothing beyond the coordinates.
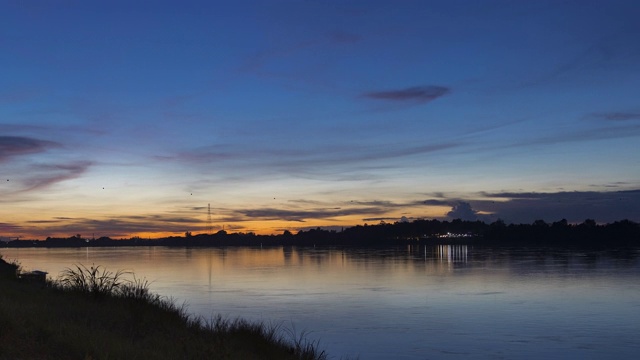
(8, 227)
(117, 227)
(47, 175)
(420, 94)
(462, 210)
(301, 215)
(11, 146)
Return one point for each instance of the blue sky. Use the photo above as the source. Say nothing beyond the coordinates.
(122, 118)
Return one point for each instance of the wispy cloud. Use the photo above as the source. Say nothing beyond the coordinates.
(204, 155)
(8, 227)
(589, 134)
(319, 160)
(330, 157)
(614, 46)
(389, 219)
(13, 128)
(418, 94)
(45, 175)
(11, 146)
(288, 51)
(266, 214)
(617, 116)
(615, 184)
(436, 202)
(305, 210)
(116, 227)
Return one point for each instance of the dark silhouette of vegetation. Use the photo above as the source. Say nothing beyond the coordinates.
(97, 281)
(587, 233)
(92, 313)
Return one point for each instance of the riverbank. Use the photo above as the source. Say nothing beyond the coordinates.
(588, 234)
(42, 321)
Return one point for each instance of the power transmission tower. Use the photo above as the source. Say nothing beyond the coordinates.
(209, 226)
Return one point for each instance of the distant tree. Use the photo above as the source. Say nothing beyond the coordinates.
(560, 224)
(540, 223)
(187, 234)
(499, 223)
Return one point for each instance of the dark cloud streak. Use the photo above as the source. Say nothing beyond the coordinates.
(595, 134)
(117, 227)
(617, 116)
(11, 146)
(47, 175)
(420, 94)
(302, 215)
(321, 158)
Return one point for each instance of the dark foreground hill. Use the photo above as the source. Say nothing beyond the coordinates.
(48, 321)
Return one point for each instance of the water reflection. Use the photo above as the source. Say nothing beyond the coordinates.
(452, 253)
(436, 259)
(410, 302)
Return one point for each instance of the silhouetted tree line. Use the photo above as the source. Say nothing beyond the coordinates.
(623, 232)
(587, 233)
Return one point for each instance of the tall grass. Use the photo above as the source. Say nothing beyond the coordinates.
(299, 345)
(95, 280)
(99, 282)
(227, 337)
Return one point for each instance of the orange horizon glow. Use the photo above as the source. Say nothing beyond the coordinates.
(199, 226)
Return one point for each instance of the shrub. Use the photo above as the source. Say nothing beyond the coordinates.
(9, 269)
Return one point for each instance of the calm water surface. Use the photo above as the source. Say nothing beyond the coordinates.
(416, 302)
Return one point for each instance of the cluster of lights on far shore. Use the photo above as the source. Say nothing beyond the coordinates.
(448, 235)
(454, 235)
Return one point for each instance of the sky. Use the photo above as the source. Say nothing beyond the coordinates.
(144, 118)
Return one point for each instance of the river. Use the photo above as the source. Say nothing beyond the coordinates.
(411, 302)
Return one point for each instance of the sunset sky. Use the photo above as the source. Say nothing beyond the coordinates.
(125, 118)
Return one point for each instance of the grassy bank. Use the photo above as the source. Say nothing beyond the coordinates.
(63, 320)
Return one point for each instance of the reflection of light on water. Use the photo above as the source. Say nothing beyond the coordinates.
(440, 259)
(381, 302)
(452, 253)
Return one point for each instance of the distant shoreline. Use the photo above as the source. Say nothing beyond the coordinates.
(423, 232)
